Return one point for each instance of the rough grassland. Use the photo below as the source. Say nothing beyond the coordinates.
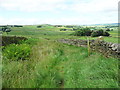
(56, 65)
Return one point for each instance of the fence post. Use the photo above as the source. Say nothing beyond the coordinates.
(88, 45)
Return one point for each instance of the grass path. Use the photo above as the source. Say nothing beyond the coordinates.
(69, 66)
(57, 65)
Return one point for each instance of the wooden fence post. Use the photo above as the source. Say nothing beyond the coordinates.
(88, 45)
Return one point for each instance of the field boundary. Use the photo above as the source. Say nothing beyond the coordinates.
(107, 48)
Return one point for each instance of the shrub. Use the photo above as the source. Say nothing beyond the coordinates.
(111, 29)
(108, 29)
(106, 34)
(18, 26)
(69, 26)
(39, 26)
(83, 32)
(99, 33)
(16, 52)
(63, 29)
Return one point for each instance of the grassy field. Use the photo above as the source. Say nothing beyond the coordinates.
(51, 64)
(55, 33)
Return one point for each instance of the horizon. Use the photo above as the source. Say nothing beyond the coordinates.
(58, 12)
(61, 24)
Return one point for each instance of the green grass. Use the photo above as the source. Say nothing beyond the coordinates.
(56, 65)
(54, 33)
(52, 64)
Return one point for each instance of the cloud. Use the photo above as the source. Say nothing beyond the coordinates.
(95, 6)
(27, 21)
(62, 20)
(13, 21)
(59, 11)
(81, 6)
(31, 5)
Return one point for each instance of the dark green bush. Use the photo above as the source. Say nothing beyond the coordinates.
(88, 32)
(99, 33)
(106, 34)
(18, 26)
(83, 32)
(16, 52)
(111, 29)
(63, 29)
(108, 29)
(39, 26)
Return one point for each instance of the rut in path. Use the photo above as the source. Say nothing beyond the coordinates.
(48, 55)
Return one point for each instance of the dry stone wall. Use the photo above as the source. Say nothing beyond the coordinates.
(107, 48)
(6, 40)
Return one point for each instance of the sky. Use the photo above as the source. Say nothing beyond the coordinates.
(65, 12)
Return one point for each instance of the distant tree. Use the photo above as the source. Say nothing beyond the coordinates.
(58, 25)
(39, 26)
(63, 29)
(106, 34)
(69, 26)
(111, 29)
(3, 26)
(83, 32)
(18, 26)
(108, 29)
(6, 29)
(99, 33)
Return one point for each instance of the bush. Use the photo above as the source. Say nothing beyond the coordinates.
(63, 29)
(18, 26)
(106, 34)
(83, 32)
(16, 52)
(39, 26)
(108, 29)
(99, 33)
(111, 29)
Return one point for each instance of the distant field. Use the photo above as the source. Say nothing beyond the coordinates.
(42, 62)
(53, 32)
